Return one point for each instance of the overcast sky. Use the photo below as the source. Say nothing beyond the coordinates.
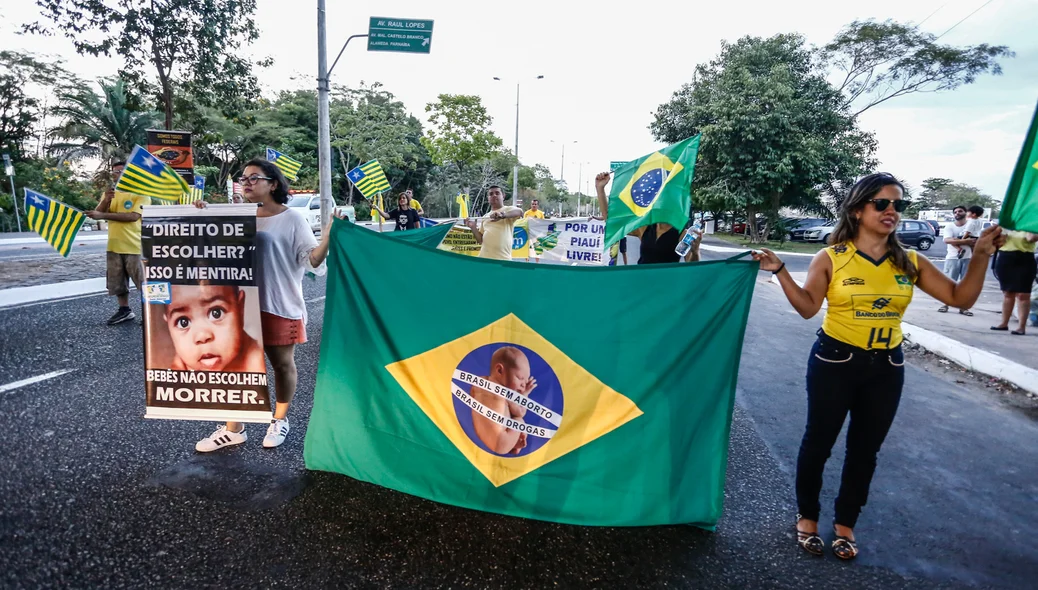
(605, 72)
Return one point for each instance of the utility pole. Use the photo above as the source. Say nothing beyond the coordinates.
(515, 169)
(324, 139)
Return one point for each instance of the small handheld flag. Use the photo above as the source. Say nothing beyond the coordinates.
(369, 179)
(55, 221)
(287, 165)
(463, 201)
(149, 176)
(1020, 207)
(652, 189)
(196, 193)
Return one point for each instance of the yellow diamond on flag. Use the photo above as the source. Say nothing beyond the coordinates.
(509, 399)
(648, 182)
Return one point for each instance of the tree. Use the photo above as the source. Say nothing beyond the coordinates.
(190, 43)
(944, 193)
(99, 126)
(774, 130)
(22, 78)
(460, 132)
(370, 123)
(883, 60)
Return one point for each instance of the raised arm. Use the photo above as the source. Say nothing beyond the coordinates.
(964, 293)
(807, 300)
(603, 200)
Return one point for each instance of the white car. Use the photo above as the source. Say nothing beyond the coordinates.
(310, 206)
(819, 233)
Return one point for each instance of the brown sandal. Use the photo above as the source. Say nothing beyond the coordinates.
(809, 542)
(844, 547)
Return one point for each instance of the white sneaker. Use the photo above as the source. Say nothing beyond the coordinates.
(276, 433)
(220, 438)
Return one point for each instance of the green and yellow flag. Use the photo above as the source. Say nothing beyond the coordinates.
(1020, 207)
(55, 221)
(463, 202)
(499, 406)
(652, 189)
(288, 166)
(149, 176)
(369, 179)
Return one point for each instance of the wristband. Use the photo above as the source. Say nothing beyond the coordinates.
(775, 272)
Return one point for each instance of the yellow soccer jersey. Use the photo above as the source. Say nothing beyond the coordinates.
(867, 298)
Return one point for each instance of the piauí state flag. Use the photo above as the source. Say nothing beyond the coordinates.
(149, 176)
(499, 406)
(289, 167)
(1020, 207)
(652, 189)
(56, 222)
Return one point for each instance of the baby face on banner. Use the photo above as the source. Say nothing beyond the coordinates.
(207, 325)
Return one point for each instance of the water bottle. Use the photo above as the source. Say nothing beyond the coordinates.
(686, 243)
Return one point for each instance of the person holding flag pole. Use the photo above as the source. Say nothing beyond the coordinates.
(285, 250)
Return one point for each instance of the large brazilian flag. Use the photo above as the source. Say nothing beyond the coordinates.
(1020, 207)
(491, 402)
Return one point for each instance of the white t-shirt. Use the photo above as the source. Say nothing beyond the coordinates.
(283, 245)
(974, 227)
(497, 235)
(956, 232)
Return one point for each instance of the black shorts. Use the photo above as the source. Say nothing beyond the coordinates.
(623, 245)
(1015, 271)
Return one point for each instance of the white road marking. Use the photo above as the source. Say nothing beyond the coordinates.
(31, 380)
(315, 299)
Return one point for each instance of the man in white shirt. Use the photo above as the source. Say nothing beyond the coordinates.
(495, 233)
(960, 250)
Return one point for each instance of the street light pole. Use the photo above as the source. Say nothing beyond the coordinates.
(324, 139)
(9, 169)
(515, 168)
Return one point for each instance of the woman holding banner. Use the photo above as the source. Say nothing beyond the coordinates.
(285, 250)
(857, 366)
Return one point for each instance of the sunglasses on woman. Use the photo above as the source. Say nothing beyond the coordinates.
(899, 204)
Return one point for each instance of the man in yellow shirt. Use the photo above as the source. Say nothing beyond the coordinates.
(414, 204)
(535, 210)
(122, 211)
(495, 233)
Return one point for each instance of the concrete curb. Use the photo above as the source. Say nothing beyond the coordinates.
(79, 238)
(974, 359)
(40, 293)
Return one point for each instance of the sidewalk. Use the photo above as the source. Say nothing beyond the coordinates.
(969, 341)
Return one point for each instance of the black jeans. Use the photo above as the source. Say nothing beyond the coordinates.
(844, 379)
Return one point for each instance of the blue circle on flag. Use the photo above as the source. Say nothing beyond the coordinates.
(523, 425)
(645, 190)
(519, 238)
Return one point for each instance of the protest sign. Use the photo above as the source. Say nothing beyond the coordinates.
(203, 342)
(173, 148)
(570, 241)
(461, 241)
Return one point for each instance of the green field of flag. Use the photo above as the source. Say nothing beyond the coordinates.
(652, 189)
(494, 403)
(1020, 207)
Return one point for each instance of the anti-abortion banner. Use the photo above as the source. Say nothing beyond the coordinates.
(496, 405)
(568, 241)
(203, 343)
(174, 148)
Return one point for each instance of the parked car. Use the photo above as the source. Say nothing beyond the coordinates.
(310, 206)
(795, 228)
(917, 234)
(935, 226)
(819, 233)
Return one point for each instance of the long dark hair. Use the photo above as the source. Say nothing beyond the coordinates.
(280, 190)
(847, 225)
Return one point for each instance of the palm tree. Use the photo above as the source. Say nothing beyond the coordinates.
(100, 126)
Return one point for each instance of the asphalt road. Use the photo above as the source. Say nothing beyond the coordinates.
(97, 497)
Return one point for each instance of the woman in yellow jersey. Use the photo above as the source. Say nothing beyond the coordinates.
(1015, 269)
(856, 365)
